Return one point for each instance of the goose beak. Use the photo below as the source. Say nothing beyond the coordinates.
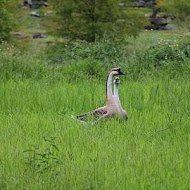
(121, 72)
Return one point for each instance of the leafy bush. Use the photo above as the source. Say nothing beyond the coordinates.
(6, 22)
(8, 14)
(164, 52)
(107, 52)
(165, 58)
(79, 61)
(13, 64)
(179, 8)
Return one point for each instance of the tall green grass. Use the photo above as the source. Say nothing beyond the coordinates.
(42, 147)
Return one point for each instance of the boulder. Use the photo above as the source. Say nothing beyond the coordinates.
(158, 22)
(34, 4)
(38, 35)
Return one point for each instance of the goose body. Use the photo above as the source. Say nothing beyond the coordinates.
(113, 105)
(120, 109)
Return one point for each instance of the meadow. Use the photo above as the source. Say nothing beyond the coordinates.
(42, 147)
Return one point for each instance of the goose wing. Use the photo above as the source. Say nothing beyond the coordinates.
(93, 114)
(100, 111)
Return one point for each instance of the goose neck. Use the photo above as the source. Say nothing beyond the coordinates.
(109, 87)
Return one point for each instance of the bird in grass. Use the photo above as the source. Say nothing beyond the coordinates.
(120, 112)
(113, 104)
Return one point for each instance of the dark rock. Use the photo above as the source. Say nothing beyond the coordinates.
(38, 35)
(34, 4)
(158, 22)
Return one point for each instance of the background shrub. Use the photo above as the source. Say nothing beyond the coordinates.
(6, 22)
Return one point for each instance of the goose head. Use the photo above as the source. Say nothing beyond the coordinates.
(116, 81)
(117, 71)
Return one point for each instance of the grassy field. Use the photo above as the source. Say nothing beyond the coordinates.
(42, 147)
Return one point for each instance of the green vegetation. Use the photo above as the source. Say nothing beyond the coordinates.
(92, 20)
(45, 81)
(6, 21)
(150, 151)
(179, 8)
(42, 147)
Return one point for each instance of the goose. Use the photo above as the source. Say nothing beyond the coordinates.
(111, 108)
(121, 111)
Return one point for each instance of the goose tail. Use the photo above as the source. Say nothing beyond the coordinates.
(82, 117)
